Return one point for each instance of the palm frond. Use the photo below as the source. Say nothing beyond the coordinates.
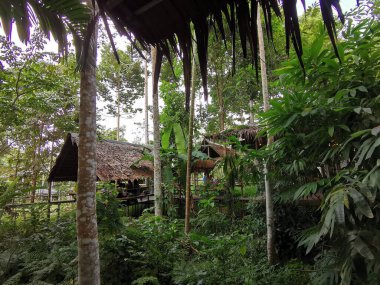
(55, 18)
(167, 23)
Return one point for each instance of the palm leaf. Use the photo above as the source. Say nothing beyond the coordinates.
(54, 17)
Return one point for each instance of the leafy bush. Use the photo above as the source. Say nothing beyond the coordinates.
(328, 138)
(108, 211)
(37, 254)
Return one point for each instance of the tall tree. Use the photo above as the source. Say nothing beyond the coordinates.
(54, 17)
(120, 84)
(87, 229)
(268, 188)
(190, 145)
(146, 105)
(156, 66)
(219, 72)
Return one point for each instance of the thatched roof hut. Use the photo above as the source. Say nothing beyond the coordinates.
(248, 135)
(215, 152)
(115, 160)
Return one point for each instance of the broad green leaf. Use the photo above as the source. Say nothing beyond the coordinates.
(290, 120)
(360, 203)
(179, 139)
(360, 133)
(362, 89)
(367, 110)
(331, 131)
(375, 131)
(361, 247)
(344, 127)
(339, 212)
(306, 112)
(306, 190)
(372, 149)
(165, 140)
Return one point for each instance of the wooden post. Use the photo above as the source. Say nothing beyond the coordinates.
(49, 200)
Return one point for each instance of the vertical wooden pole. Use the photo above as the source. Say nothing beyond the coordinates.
(190, 147)
(49, 200)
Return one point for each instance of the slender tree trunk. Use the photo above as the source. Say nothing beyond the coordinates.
(251, 115)
(50, 182)
(268, 189)
(34, 178)
(36, 163)
(118, 113)
(219, 91)
(17, 162)
(146, 104)
(158, 202)
(190, 147)
(87, 229)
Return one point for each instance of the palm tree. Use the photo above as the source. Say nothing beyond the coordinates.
(87, 228)
(55, 18)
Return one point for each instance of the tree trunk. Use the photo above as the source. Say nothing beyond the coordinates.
(146, 104)
(219, 92)
(87, 230)
(268, 189)
(251, 115)
(118, 113)
(36, 163)
(158, 202)
(190, 147)
(50, 182)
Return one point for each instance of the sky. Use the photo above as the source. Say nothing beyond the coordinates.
(134, 124)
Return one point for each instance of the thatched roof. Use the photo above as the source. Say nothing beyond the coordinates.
(215, 150)
(204, 165)
(167, 24)
(246, 135)
(115, 160)
(215, 153)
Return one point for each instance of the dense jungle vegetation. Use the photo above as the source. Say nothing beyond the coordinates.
(325, 121)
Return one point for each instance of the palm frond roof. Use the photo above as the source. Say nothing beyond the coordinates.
(166, 24)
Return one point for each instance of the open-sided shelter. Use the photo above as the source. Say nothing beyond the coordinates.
(215, 153)
(115, 161)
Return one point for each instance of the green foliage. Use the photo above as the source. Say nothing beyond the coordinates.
(38, 99)
(174, 98)
(234, 255)
(120, 84)
(33, 253)
(148, 250)
(327, 142)
(55, 18)
(146, 280)
(108, 210)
